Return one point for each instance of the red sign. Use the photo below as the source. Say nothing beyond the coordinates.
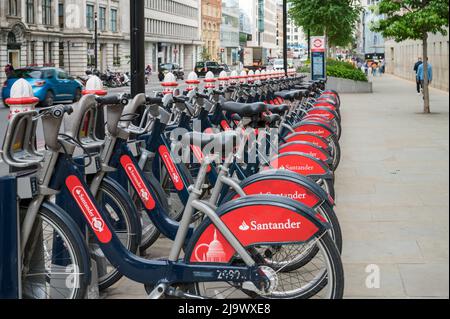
(318, 44)
(90, 212)
(171, 168)
(252, 225)
(138, 182)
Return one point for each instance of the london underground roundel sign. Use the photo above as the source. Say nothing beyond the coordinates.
(318, 44)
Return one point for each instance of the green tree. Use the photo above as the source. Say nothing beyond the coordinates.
(205, 56)
(336, 19)
(413, 20)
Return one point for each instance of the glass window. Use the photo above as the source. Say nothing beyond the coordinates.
(30, 11)
(90, 17)
(47, 12)
(116, 55)
(114, 20)
(61, 15)
(12, 8)
(102, 19)
(62, 75)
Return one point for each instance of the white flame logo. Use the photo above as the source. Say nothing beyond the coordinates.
(244, 226)
(98, 224)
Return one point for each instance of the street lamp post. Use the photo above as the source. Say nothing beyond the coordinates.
(137, 47)
(285, 21)
(96, 41)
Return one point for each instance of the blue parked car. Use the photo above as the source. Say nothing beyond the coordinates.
(50, 85)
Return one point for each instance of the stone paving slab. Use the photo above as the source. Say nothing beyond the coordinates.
(392, 195)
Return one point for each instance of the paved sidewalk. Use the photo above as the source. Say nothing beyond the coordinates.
(393, 195)
(393, 192)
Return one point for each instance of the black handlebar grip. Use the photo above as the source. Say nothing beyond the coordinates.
(112, 100)
(201, 95)
(217, 92)
(153, 100)
(58, 111)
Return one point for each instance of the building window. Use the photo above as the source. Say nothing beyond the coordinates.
(90, 17)
(91, 54)
(48, 54)
(12, 8)
(61, 15)
(114, 20)
(116, 55)
(47, 12)
(30, 11)
(61, 54)
(102, 19)
(31, 57)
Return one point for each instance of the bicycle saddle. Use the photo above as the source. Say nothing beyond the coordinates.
(278, 109)
(243, 109)
(223, 139)
(287, 95)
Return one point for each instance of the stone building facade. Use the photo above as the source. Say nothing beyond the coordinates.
(400, 59)
(211, 22)
(173, 32)
(60, 33)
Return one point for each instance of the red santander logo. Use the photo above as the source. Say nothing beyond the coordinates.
(138, 182)
(89, 209)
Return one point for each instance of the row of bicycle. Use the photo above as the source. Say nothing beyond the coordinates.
(238, 176)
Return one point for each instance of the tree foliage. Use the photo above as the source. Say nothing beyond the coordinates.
(411, 19)
(336, 19)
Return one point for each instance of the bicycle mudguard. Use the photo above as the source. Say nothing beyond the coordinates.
(283, 183)
(310, 138)
(302, 164)
(318, 119)
(253, 220)
(307, 148)
(327, 105)
(329, 114)
(314, 128)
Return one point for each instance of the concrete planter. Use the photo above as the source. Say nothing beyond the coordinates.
(346, 86)
(349, 86)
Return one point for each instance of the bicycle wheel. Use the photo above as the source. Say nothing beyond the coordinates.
(124, 218)
(322, 277)
(293, 258)
(56, 261)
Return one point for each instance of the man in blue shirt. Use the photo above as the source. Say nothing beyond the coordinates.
(420, 74)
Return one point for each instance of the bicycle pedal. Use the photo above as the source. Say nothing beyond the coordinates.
(158, 292)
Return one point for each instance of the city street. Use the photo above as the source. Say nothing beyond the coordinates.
(393, 195)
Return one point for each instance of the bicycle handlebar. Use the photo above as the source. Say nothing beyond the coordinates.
(112, 100)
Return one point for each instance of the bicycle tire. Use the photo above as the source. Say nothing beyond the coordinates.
(68, 229)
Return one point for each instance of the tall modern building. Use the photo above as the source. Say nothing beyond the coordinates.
(173, 32)
(61, 33)
(229, 32)
(258, 23)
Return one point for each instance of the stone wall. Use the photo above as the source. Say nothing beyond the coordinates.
(401, 57)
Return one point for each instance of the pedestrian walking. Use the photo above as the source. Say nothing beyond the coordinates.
(9, 69)
(383, 66)
(421, 76)
(416, 70)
